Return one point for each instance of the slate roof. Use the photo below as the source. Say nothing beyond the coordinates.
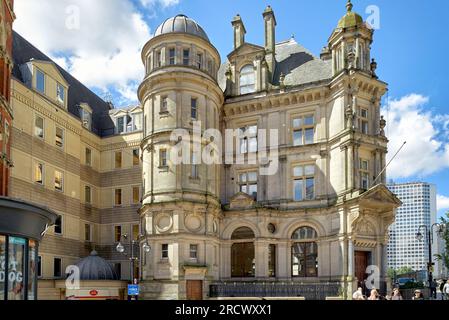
(298, 65)
(102, 125)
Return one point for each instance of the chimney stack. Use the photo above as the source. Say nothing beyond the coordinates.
(239, 31)
(270, 38)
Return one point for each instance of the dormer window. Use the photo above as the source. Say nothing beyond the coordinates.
(40, 81)
(120, 125)
(60, 93)
(137, 121)
(247, 79)
(86, 117)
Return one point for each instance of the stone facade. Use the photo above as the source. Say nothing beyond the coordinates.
(85, 156)
(327, 114)
(319, 221)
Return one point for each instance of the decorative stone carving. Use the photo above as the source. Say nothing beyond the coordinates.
(193, 222)
(241, 201)
(382, 125)
(164, 222)
(373, 67)
(365, 228)
(349, 117)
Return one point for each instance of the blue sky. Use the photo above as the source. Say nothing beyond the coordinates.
(410, 47)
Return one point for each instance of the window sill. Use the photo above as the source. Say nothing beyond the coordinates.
(164, 114)
(164, 261)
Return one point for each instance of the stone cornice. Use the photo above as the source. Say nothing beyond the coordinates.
(266, 101)
(44, 111)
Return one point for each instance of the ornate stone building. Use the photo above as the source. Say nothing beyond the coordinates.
(311, 229)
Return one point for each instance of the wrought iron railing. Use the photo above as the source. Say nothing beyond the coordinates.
(319, 291)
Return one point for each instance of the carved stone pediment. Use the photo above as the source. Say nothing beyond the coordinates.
(241, 201)
(380, 197)
(245, 49)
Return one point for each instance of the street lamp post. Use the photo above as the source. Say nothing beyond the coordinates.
(120, 248)
(428, 232)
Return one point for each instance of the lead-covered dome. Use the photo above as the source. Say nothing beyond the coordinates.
(94, 267)
(181, 24)
(350, 19)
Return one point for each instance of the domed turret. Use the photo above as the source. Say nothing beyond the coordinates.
(94, 267)
(180, 196)
(349, 46)
(350, 19)
(181, 24)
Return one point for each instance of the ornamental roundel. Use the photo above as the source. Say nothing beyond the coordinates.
(271, 228)
(193, 222)
(164, 222)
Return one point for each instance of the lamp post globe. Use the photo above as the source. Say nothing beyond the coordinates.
(146, 247)
(120, 248)
(419, 236)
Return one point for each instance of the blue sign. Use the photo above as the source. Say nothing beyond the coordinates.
(133, 289)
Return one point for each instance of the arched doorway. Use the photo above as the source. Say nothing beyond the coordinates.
(243, 253)
(305, 253)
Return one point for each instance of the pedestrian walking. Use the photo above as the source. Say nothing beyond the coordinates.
(396, 295)
(358, 295)
(446, 290)
(374, 295)
(418, 295)
(442, 283)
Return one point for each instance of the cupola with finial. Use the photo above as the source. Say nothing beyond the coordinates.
(350, 43)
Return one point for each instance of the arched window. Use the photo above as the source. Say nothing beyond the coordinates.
(243, 263)
(247, 79)
(305, 253)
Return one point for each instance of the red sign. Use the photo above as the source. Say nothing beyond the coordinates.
(93, 292)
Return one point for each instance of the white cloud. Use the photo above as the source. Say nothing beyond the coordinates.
(442, 202)
(99, 42)
(426, 151)
(163, 3)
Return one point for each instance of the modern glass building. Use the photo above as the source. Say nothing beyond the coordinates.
(22, 226)
(418, 209)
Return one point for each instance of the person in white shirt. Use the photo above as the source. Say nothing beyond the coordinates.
(445, 292)
(358, 295)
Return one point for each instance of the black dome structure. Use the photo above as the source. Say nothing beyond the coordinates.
(94, 267)
(181, 24)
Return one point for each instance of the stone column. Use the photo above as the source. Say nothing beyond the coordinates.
(261, 255)
(225, 261)
(351, 261)
(283, 176)
(334, 62)
(283, 261)
(350, 159)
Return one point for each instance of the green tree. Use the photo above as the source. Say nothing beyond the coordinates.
(444, 257)
(404, 270)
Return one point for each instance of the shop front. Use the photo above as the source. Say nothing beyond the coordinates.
(22, 226)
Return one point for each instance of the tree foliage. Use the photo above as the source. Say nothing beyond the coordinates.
(444, 256)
